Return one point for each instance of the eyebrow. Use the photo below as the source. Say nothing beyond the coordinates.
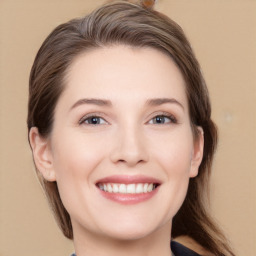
(98, 102)
(102, 102)
(160, 101)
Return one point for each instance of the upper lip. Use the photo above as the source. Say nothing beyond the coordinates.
(128, 179)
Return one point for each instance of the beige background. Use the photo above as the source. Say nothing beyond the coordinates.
(222, 33)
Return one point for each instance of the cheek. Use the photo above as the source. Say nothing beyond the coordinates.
(74, 160)
(76, 154)
(174, 152)
(173, 155)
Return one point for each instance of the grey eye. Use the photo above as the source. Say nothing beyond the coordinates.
(94, 120)
(163, 119)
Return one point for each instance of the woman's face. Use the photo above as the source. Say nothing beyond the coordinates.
(122, 148)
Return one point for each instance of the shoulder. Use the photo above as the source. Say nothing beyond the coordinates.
(181, 250)
(184, 245)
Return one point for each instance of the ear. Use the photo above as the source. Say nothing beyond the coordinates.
(42, 154)
(197, 153)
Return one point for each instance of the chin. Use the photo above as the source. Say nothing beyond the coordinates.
(134, 231)
(129, 235)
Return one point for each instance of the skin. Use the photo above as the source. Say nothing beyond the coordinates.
(127, 141)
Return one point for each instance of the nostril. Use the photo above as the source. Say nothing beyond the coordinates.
(129, 150)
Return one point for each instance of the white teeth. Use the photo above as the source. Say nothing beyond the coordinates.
(150, 187)
(122, 189)
(145, 188)
(127, 188)
(130, 189)
(139, 188)
(115, 188)
(109, 187)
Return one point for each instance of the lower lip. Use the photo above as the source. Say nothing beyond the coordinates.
(129, 198)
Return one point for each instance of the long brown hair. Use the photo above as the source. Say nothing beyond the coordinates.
(122, 22)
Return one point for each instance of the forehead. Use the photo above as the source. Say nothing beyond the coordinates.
(124, 72)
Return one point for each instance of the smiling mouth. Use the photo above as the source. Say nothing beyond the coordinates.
(133, 188)
(128, 189)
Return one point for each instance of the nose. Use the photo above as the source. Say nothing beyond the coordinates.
(129, 148)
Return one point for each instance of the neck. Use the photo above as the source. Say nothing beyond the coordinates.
(157, 243)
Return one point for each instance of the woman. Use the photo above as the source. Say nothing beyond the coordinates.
(120, 127)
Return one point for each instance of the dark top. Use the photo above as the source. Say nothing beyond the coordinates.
(178, 250)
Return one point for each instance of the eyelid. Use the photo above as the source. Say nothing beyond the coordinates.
(172, 117)
(95, 114)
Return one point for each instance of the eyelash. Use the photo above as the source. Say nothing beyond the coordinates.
(91, 116)
(172, 118)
